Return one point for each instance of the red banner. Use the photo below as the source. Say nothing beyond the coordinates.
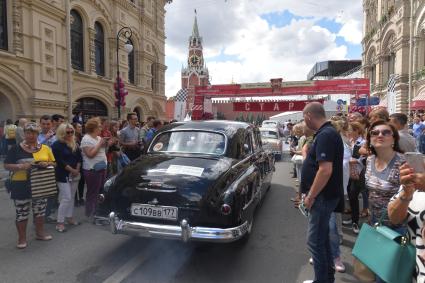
(326, 87)
(281, 106)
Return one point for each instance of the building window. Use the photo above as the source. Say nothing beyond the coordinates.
(131, 65)
(373, 75)
(99, 45)
(3, 25)
(153, 80)
(91, 107)
(77, 41)
(391, 64)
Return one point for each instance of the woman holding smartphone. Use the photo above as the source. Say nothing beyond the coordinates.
(408, 205)
(94, 163)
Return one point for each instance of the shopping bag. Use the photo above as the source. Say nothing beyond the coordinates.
(43, 182)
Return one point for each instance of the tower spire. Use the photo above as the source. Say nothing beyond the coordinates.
(195, 30)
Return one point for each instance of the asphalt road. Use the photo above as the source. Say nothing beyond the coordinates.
(275, 252)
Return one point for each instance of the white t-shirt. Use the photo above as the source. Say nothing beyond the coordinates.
(88, 141)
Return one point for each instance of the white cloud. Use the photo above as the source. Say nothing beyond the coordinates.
(262, 51)
(351, 32)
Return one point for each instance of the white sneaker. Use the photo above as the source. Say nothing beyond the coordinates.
(355, 228)
(310, 261)
(339, 266)
(308, 281)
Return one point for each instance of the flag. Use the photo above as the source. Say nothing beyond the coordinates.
(391, 96)
(181, 95)
(392, 82)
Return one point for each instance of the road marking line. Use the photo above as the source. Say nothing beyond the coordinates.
(125, 270)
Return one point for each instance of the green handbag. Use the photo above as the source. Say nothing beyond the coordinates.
(387, 253)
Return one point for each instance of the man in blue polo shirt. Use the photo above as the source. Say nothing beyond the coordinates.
(418, 127)
(322, 185)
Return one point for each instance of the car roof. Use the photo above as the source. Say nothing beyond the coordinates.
(210, 125)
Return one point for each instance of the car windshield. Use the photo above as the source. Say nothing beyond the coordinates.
(189, 142)
(269, 134)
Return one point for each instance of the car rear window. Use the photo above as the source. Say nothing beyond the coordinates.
(189, 142)
(269, 134)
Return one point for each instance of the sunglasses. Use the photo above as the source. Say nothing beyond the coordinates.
(69, 132)
(385, 133)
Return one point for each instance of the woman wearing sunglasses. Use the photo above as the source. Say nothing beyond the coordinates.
(382, 171)
(382, 167)
(68, 158)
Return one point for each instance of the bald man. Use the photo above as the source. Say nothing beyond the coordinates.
(322, 185)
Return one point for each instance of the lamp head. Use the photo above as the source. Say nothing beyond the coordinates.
(128, 47)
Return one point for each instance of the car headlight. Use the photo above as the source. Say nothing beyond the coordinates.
(109, 183)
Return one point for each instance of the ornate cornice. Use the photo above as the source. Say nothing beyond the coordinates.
(47, 103)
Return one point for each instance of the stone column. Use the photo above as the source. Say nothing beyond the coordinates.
(112, 55)
(92, 51)
(17, 27)
(418, 42)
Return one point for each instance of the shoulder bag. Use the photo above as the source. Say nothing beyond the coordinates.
(297, 159)
(43, 182)
(386, 253)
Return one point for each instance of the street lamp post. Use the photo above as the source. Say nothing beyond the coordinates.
(128, 47)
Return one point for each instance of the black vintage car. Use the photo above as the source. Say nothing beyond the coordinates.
(198, 181)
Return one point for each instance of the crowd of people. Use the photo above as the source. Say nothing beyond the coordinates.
(81, 155)
(350, 156)
(341, 159)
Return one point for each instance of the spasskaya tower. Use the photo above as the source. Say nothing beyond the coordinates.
(196, 72)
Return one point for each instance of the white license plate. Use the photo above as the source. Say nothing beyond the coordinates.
(152, 211)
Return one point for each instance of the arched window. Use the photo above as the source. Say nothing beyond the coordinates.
(131, 65)
(3, 24)
(77, 41)
(91, 107)
(99, 45)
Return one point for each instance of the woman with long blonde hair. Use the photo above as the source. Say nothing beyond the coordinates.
(68, 157)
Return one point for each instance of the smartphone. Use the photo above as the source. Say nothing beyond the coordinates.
(416, 161)
(303, 209)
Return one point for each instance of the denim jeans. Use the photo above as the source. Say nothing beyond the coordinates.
(334, 236)
(318, 240)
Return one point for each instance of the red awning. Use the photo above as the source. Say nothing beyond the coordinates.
(418, 102)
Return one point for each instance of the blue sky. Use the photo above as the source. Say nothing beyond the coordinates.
(253, 40)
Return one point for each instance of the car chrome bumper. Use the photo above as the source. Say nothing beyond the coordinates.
(183, 232)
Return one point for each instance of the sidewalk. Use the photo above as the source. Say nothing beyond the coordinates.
(3, 175)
